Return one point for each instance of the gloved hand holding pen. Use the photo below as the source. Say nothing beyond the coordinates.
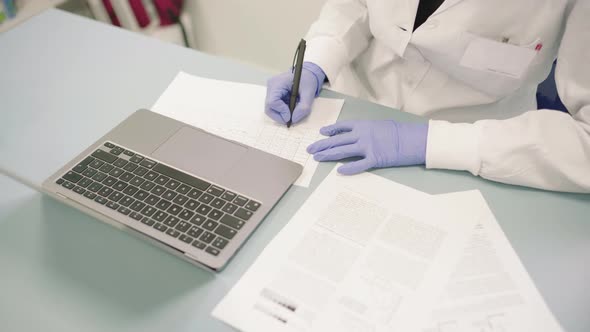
(279, 91)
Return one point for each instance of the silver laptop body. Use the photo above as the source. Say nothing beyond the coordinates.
(194, 194)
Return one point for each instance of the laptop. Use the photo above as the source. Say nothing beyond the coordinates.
(192, 193)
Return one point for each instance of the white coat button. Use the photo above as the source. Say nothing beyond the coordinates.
(430, 24)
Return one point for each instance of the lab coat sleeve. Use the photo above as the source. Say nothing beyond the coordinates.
(544, 149)
(338, 36)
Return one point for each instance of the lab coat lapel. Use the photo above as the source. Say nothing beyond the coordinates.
(446, 5)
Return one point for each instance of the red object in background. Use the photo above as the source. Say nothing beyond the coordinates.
(168, 11)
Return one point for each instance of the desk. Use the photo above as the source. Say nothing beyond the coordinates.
(65, 81)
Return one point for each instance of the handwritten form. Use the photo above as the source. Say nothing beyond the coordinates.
(236, 111)
(362, 254)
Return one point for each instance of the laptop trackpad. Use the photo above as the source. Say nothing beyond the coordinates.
(200, 153)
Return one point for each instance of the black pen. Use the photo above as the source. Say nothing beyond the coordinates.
(296, 78)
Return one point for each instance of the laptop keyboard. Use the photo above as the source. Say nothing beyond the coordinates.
(173, 202)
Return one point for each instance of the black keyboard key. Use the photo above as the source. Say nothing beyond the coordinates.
(90, 195)
(109, 181)
(130, 190)
(231, 221)
(100, 176)
(212, 251)
(198, 219)
(141, 195)
(229, 208)
(89, 172)
(195, 193)
(195, 231)
(163, 204)
(218, 203)
(158, 190)
(136, 159)
(117, 150)
(191, 204)
(147, 186)
(96, 163)
(137, 181)
(105, 191)
(147, 221)
(104, 156)
(174, 209)
(219, 243)
(106, 168)
(160, 216)
(120, 185)
(172, 184)
(160, 227)
(126, 177)
(204, 209)
(186, 214)
(112, 205)
(152, 199)
(206, 198)
(95, 186)
(86, 161)
(148, 211)
(226, 232)
(80, 168)
(116, 196)
(120, 162)
(151, 175)
(128, 153)
(147, 163)
(169, 195)
(210, 225)
(136, 215)
(215, 214)
(186, 239)
(79, 190)
(183, 188)
(85, 182)
(215, 191)
(243, 213)
(137, 206)
(240, 200)
(126, 201)
(180, 200)
(109, 145)
(207, 237)
(130, 167)
(172, 232)
(72, 177)
(181, 176)
(60, 181)
(100, 200)
(116, 172)
(161, 180)
(199, 245)
(68, 185)
(183, 226)
(228, 196)
(140, 171)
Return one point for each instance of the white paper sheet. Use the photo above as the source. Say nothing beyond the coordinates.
(362, 254)
(490, 290)
(236, 111)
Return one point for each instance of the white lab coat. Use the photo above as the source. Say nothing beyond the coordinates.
(367, 49)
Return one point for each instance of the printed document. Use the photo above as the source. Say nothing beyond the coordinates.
(490, 290)
(236, 111)
(362, 254)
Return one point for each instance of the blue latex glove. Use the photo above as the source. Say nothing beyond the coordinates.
(381, 143)
(278, 93)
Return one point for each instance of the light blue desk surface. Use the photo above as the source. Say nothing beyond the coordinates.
(65, 81)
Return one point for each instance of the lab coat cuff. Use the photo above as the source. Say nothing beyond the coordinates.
(327, 54)
(453, 146)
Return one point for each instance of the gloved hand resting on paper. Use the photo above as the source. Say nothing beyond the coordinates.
(279, 88)
(382, 143)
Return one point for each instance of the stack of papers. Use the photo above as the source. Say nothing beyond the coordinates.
(367, 254)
